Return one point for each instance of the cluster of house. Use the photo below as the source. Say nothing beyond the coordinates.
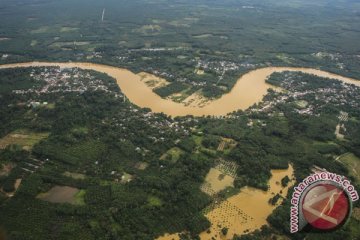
(55, 80)
(341, 94)
(160, 127)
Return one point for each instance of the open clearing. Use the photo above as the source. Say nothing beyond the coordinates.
(74, 175)
(226, 144)
(337, 132)
(302, 103)
(352, 162)
(141, 165)
(64, 44)
(63, 194)
(33, 43)
(199, 71)
(68, 29)
(148, 29)
(154, 201)
(16, 186)
(126, 178)
(43, 29)
(173, 154)
(5, 169)
(205, 35)
(25, 138)
(356, 213)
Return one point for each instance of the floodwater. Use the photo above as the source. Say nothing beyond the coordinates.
(174, 236)
(218, 181)
(244, 212)
(248, 90)
(247, 210)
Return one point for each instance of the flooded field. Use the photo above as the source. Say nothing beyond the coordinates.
(196, 100)
(60, 194)
(152, 81)
(248, 90)
(247, 210)
(174, 236)
(216, 181)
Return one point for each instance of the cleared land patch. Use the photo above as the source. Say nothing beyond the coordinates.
(25, 138)
(226, 144)
(16, 186)
(64, 44)
(154, 201)
(68, 29)
(62, 194)
(126, 177)
(42, 29)
(5, 169)
(205, 35)
(172, 154)
(141, 165)
(74, 175)
(352, 162)
(148, 29)
(33, 43)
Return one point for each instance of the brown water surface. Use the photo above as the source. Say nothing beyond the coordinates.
(248, 90)
(247, 210)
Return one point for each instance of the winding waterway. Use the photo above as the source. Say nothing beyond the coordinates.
(248, 90)
(251, 204)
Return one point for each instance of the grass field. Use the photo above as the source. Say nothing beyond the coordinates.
(154, 201)
(74, 175)
(79, 197)
(198, 139)
(173, 153)
(353, 164)
(25, 138)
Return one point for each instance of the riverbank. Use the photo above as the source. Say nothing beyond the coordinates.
(248, 90)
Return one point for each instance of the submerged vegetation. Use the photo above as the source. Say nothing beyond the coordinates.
(133, 170)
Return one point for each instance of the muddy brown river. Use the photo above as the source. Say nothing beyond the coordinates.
(248, 90)
(248, 209)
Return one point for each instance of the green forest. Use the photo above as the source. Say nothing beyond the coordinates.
(95, 140)
(78, 160)
(174, 39)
